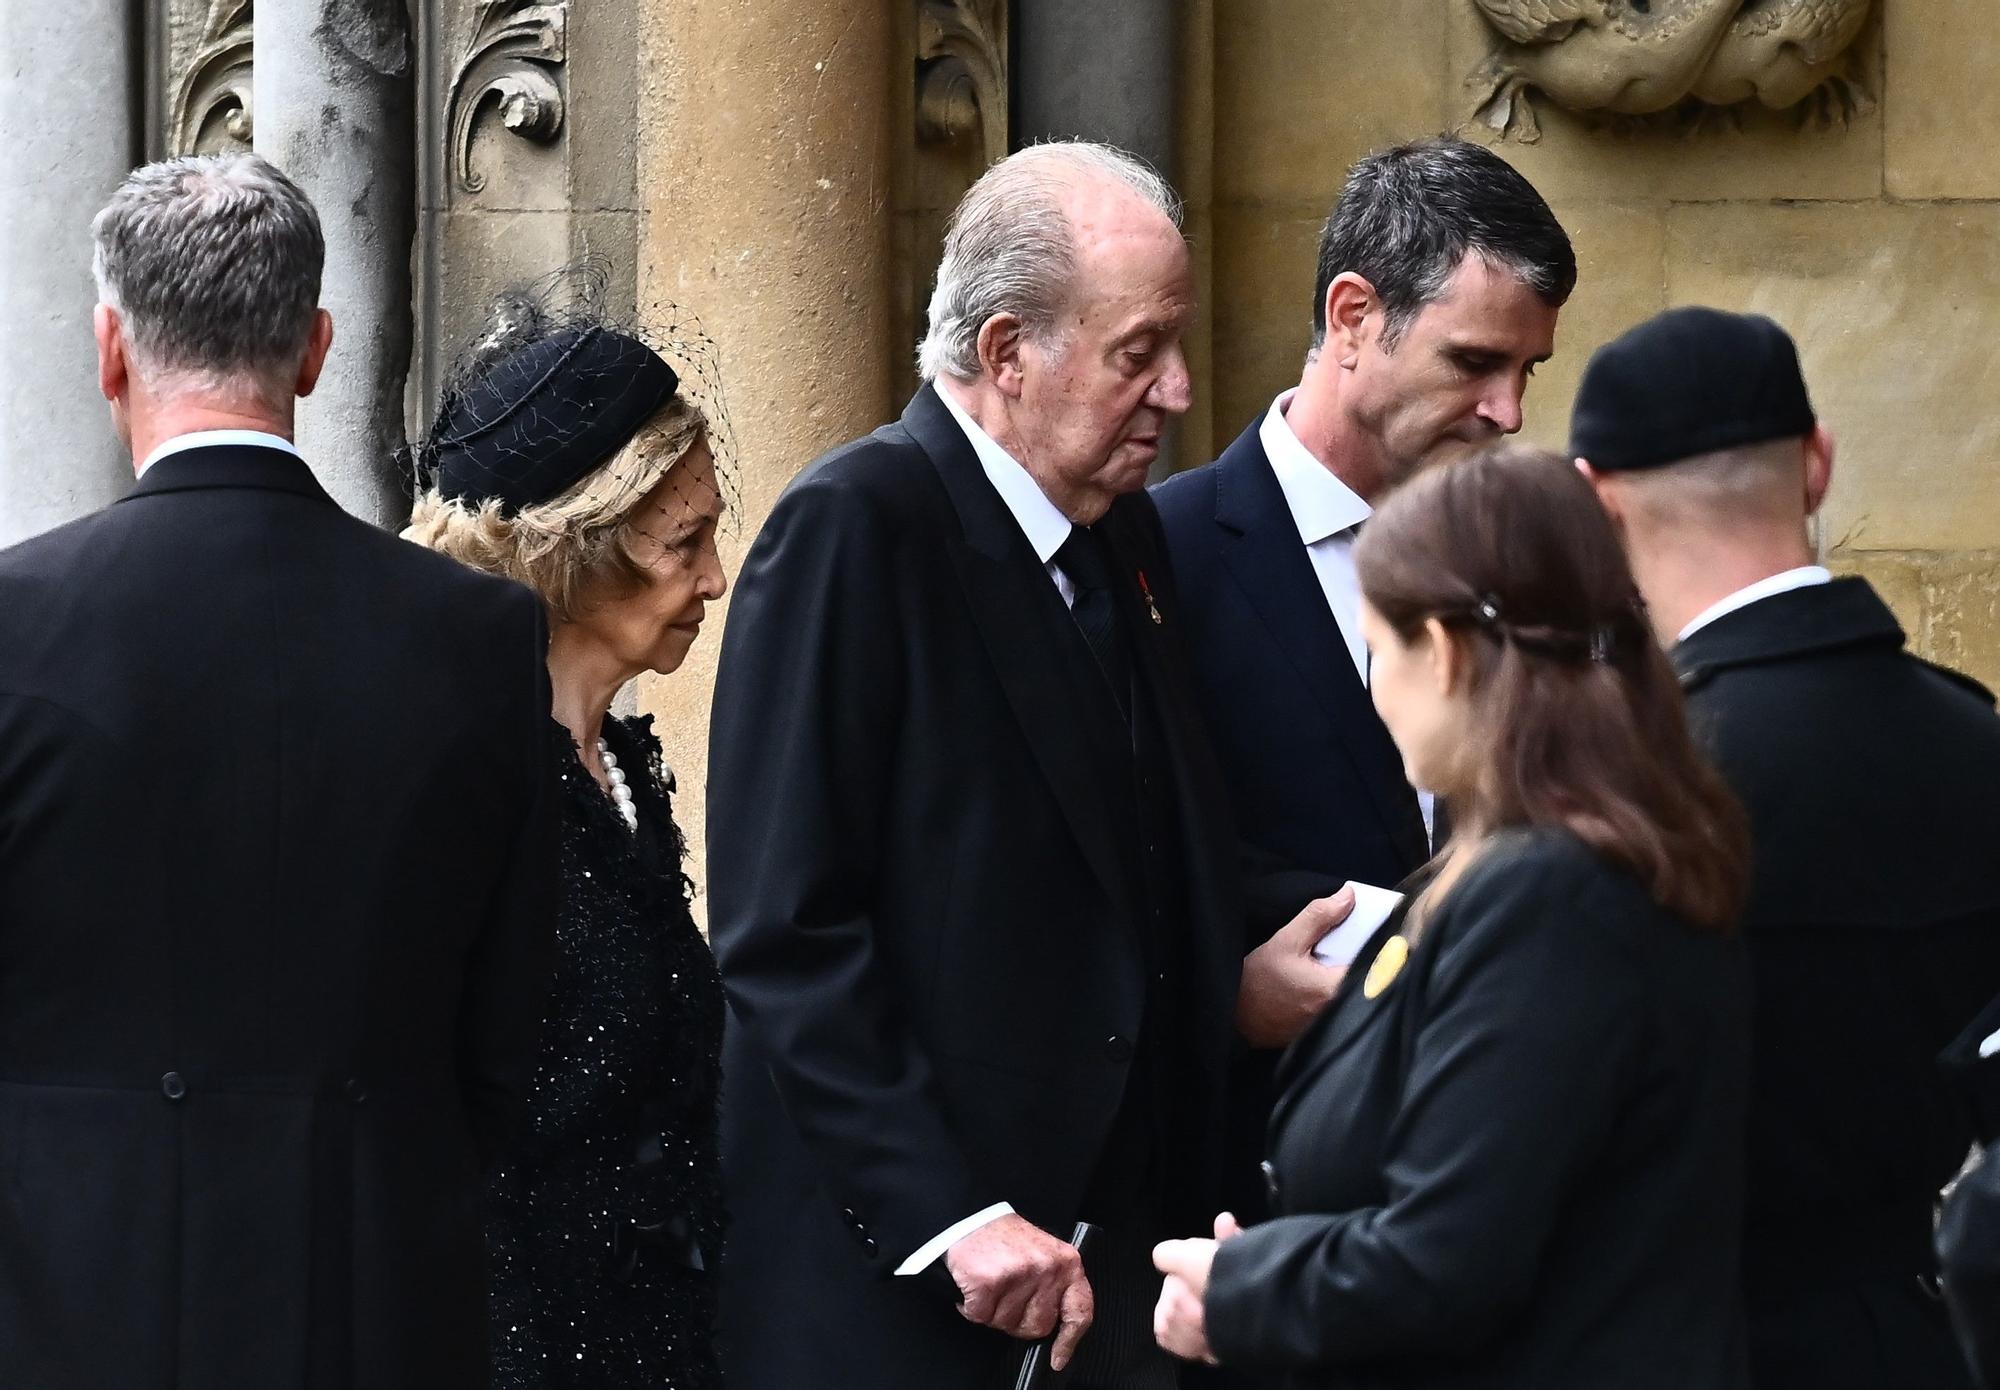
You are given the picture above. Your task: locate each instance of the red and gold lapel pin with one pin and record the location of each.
(1152, 608)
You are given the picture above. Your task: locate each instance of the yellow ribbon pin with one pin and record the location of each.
(1389, 962)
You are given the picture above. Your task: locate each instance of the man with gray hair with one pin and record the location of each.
(276, 864)
(972, 882)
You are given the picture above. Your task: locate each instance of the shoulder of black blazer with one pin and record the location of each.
(1518, 872)
(1845, 615)
(1543, 980)
(1230, 531)
(1193, 503)
(51, 583)
(232, 473)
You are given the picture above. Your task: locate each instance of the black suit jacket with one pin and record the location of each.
(1314, 781)
(1520, 1164)
(1873, 786)
(928, 926)
(1313, 777)
(276, 887)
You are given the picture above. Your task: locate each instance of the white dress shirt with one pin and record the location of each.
(1783, 582)
(1046, 529)
(1039, 519)
(1328, 514)
(209, 439)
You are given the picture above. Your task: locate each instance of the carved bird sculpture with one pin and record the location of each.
(1634, 57)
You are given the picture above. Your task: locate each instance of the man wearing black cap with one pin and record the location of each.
(1872, 780)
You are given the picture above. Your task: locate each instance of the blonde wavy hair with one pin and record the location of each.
(577, 548)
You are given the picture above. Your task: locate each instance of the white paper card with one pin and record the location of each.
(1372, 907)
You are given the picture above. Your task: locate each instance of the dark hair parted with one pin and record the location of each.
(1578, 719)
(1409, 215)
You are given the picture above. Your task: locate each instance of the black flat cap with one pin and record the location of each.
(1685, 383)
(536, 421)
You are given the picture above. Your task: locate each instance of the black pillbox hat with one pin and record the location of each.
(1685, 383)
(529, 427)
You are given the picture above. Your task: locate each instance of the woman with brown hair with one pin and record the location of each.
(1509, 1152)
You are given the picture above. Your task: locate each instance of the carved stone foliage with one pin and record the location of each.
(511, 65)
(962, 74)
(1690, 57)
(210, 110)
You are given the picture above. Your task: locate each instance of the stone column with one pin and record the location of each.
(335, 105)
(764, 164)
(1099, 72)
(68, 86)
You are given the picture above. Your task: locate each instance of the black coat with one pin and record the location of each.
(1520, 1164)
(924, 906)
(276, 892)
(1313, 776)
(1873, 786)
(1314, 780)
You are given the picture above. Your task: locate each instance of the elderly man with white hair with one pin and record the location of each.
(973, 884)
(277, 864)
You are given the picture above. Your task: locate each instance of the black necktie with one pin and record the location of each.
(1082, 558)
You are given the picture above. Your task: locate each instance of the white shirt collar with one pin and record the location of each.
(209, 439)
(1805, 576)
(1045, 527)
(1320, 503)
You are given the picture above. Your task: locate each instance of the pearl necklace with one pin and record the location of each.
(621, 795)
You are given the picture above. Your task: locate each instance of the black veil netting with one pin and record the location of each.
(554, 388)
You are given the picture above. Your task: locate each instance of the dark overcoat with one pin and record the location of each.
(925, 905)
(1314, 781)
(1519, 1164)
(276, 892)
(1872, 780)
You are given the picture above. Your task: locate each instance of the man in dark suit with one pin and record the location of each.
(1441, 272)
(972, 876)
(1872, 780)
(276, 865)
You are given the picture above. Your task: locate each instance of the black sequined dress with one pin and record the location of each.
(604, 1224)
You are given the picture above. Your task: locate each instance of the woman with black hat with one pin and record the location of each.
(567, 456)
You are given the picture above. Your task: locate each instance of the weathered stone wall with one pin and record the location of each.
(1877, 244)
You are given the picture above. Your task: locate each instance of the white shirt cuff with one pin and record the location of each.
(927, 1254)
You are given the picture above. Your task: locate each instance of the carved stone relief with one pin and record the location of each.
(962, 74)
(527, 162)
(956, 121)
(210, 108)
(1641, 57)
(511, 64)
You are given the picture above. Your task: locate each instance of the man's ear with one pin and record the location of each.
(1002, 340)
(113, 368)
(1819, 467)
(319, 342)
(1350, 300)
(1605, 485)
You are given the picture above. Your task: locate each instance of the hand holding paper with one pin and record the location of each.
(1372, 907)
(1283, 986)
